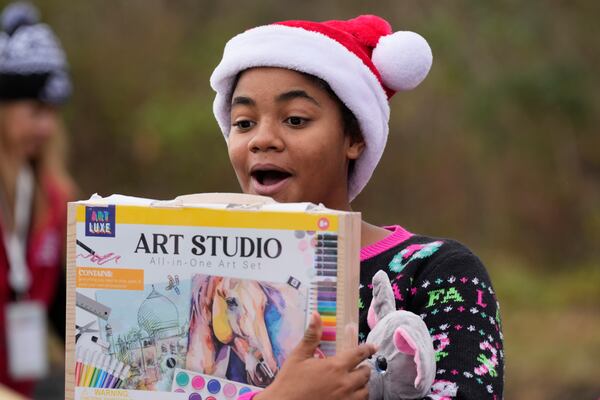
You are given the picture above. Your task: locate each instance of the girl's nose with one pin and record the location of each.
(266, 138)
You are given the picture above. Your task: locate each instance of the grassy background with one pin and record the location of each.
(551, 324)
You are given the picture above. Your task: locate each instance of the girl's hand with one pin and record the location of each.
(303, 376)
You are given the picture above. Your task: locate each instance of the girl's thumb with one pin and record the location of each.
(312, 337)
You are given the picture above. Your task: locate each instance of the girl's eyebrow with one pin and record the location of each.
(242, 101)
(294, 94)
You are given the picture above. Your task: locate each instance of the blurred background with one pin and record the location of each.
(498, 148)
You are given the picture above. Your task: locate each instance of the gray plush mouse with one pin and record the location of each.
(404, 365)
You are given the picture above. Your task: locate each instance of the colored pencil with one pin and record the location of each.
(78, 362)
(113, 380)
(82, 368)
(101, 371)
(124, 375)
(92, 369)
(87, 366)
(109, 373)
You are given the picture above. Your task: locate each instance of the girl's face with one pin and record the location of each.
(287, 139)
(28, 125)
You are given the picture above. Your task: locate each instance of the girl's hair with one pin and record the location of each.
(349, 122)
(50, 163)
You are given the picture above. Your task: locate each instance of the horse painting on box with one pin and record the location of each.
(243, 329)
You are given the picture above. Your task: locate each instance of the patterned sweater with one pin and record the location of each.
(448, 286)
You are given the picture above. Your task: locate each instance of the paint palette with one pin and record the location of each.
(207, 387)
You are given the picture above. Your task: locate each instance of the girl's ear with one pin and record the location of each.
(355, 147)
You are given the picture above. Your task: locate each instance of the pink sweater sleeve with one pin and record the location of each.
(248, 396)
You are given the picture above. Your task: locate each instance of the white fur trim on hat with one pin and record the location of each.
(403, 59)
(315, 54)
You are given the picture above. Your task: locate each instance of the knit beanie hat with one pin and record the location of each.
(32, 62)
(362, 59)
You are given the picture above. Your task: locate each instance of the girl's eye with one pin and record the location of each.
(296, 121)
(244, 124)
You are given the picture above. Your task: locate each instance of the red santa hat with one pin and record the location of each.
(362, 59)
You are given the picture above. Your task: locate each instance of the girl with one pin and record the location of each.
(304, 108)
(34, 188)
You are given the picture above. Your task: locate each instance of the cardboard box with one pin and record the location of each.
(203, 294)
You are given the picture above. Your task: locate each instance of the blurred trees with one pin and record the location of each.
(499, 147)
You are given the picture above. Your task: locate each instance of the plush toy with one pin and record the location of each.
(404, 365)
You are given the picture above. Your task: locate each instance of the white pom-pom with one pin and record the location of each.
(403, 60)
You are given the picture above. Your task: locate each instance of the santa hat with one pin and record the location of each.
(362, 59)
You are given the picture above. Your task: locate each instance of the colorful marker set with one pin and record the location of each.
(206, 387)
(98, 370)
(323, 293)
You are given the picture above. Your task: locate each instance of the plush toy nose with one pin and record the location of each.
(381, 364)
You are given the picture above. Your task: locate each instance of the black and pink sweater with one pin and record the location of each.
(447, 285)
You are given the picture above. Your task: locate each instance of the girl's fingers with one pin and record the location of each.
(360, 377)
(361, 394)
(351, 358)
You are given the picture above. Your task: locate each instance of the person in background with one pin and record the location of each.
(34, 189)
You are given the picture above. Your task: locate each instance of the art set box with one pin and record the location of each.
(203, 296)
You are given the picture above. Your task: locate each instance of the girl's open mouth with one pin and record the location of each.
(269, 181)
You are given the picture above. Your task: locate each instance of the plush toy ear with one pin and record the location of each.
(371, 317)
(220, 322)
(405, 344)
(383, 301)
